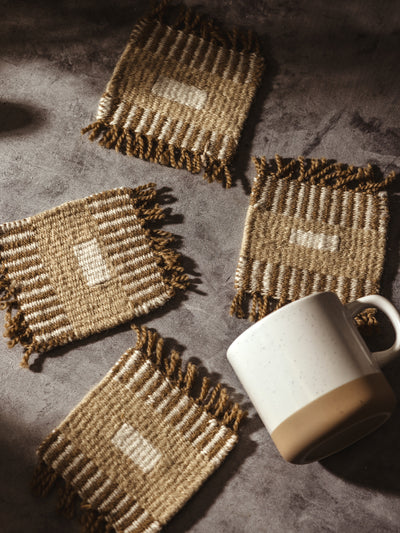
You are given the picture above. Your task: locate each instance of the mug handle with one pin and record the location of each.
(381, 303)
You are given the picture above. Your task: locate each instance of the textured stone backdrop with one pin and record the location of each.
(331, 89)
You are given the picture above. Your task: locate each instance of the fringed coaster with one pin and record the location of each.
(180, 93)
(311, 226)
(84, 267)
(140, 444)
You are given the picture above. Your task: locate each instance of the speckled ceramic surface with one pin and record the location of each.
(299, 353)
(311, 377)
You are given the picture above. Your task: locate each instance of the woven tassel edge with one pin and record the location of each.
(318, 172)
(15, 327)
(151, 149)
(255, 306)
(69, 501)
(214, 400)
(150, 212)
(190, 21)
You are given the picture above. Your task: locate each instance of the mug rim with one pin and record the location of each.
(282, 309)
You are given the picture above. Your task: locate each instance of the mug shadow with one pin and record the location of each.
(374, 461)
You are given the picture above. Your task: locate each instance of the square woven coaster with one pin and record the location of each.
(139, 444)
(311, 226)
(84, 267)
(180, 92)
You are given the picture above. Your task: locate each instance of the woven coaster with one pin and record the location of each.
(180, 93)
(84, 267)
(140, 444)
(311, 226)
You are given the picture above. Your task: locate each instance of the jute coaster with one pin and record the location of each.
(84, 267)
(180, 92)
(311, 226)
(140, 444)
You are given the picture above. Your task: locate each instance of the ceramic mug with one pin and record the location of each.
(312, 378)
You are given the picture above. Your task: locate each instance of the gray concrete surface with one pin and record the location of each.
(331, 89)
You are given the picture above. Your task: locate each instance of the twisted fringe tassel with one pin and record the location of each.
(189, 21)
(214, 400)
(147, 210)
(367, 322)
(321, 172)
(256, 306)
(150, 149)
(15, 327)
(69, 502)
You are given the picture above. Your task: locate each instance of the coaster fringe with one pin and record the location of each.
(189, 21)
(68, 501)
(237, 306)
(214, 400)
(15, 327)
(43, 480)
(319, 172)
(93, 522)
(367, 322)
(255, 306)
(150, 149)
(149, 213)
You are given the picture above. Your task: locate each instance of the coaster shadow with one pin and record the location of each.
(17, 118)
(243, 154)
(392, 262)
(374, 461)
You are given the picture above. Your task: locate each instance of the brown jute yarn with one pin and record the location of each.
(84, 267)
(311, 226)
(180, 92)
(139, 444)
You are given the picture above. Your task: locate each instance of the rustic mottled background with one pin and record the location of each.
(331, 89)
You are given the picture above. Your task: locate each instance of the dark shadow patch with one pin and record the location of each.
(17, 117)
(374, 461)
(241, 159)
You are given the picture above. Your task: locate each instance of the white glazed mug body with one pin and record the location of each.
(304, 362)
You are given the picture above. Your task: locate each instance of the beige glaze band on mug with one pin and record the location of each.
(335, 420)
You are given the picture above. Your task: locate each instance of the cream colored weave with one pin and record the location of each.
(180, 93)
(84, 267)
(140, 444)
(311, 226)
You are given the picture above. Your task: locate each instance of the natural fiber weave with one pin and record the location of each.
(84, 267)
(311, 226)
(140, 444)
(180, 93)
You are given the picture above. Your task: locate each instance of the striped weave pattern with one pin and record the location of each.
(311, 228)
(140, 443)
(84, 267)
(180, 93)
